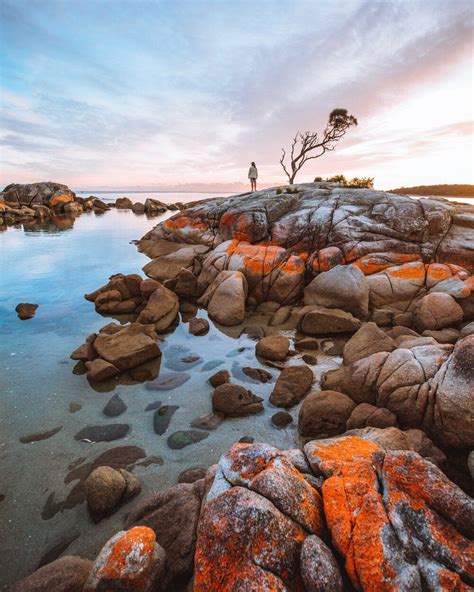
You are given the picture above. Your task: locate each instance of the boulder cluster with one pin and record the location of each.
(370, 254)
(35, 203)
(344, 513)
(120, 348)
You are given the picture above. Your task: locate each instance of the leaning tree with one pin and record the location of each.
(309, 145)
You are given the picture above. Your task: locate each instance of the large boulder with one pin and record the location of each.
(273, 347)
(454, 396)
(344, 287)
(161, 309)
(324, 414)
(66, 574)
(317, 320)
(291, 386)
(437, 311)
(257, 515)
(225, 298)
(368, 340)
(130, 560)
(128, 347)
(382, 508)
(427, 387)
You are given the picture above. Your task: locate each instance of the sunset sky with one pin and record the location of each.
(154, 94)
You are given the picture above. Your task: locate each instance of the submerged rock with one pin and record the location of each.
(185, 438)
(162, 418)
(40, 436)
(103, 433)
(107, 489)
(114, 407)
(234, 401)
(66, 574)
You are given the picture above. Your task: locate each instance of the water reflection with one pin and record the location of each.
(53, 225)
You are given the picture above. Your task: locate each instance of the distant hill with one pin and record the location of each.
(444, 190)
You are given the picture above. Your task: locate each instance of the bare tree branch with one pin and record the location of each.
(306, 143)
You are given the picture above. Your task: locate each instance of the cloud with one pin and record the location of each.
(160, 92)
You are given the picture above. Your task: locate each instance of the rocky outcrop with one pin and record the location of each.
(131, 294)
(46, 194)
(257, 515)
(225, 298)
(394, 517)
(427, 386)
(358, 250)
(363, 511)
(116, 349)
(317, 320)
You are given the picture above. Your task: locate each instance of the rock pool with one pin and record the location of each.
(45, 404)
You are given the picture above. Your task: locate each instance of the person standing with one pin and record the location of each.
(253, 175)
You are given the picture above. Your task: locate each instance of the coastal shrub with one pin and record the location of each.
(318, 179)
(337, 179)
(291, 190)
(365, 182)
(279, 190)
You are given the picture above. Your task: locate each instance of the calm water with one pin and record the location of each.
(54, 267)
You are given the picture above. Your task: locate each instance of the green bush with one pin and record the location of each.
(318, 179)
(291, 190)
(279, 190)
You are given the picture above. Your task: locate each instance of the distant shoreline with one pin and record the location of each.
(454, 190)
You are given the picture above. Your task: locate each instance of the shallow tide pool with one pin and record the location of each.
(54, 267)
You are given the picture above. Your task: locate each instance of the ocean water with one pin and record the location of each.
(54, 265)
(167, 197)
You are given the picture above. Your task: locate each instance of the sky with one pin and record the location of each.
(158, 94)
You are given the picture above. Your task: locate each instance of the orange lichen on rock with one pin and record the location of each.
(264, 259)
(377, 262)
(59, 199)
(251, 530)
(409, 271)
(182, 220)
(346, 448)
(328, 258)
(129, 561)
(436, 272)
(447, 512)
